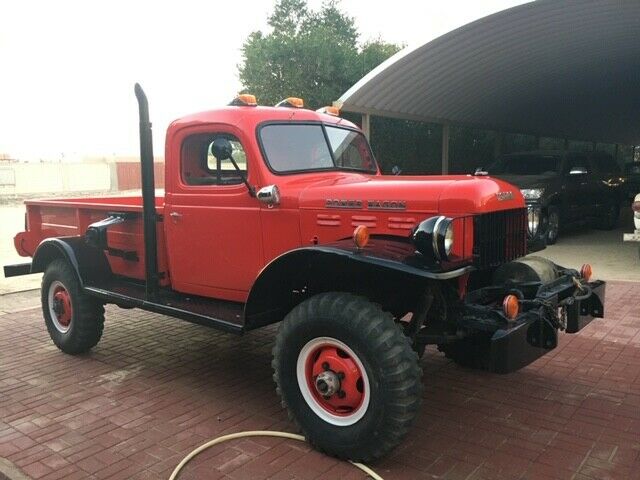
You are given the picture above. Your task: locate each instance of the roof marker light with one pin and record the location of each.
(244, 100)
(335, 111)
(291, 102)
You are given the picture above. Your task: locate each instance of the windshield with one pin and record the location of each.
(526, 165)
(294, 147)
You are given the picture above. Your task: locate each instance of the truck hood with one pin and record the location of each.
(454, 194)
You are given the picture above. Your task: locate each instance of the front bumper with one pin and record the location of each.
(632, 237)
(534, 332)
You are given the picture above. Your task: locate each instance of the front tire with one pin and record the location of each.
(553, 225)
(347, 375)
(74, 320)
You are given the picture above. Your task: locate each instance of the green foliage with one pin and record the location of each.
(309, 54)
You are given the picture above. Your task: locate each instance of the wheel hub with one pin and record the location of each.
(62, 306)
(327, 383)
(335, 380)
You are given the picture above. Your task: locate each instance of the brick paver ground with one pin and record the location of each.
(155, 388)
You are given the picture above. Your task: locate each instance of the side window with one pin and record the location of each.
(200, 165)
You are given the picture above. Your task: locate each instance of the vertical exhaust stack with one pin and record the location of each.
(148, 196)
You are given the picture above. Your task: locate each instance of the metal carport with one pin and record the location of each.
(568, 69)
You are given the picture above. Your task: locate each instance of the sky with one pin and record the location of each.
(67, 68)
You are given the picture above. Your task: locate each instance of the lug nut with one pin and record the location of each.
(341, 394)
(325, 366)
(341, 375)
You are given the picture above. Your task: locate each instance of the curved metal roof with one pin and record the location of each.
(557, 68)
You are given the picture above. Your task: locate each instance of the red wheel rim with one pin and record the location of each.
(62, 307)
(344, 395)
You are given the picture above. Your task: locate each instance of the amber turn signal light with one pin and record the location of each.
(511, 306)
(361, 236)
(292, 102)
(244, 100)
(586, 272)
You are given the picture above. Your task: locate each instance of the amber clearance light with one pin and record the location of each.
(244, 100)
(586, 272)
(334, 111)
(511, 307)
(361, 236)
(291, 102)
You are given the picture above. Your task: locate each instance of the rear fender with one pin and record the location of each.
(296, 275)
(89, 263)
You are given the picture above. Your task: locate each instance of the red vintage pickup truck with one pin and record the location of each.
(281, 214)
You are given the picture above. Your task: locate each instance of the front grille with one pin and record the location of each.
(499, 237)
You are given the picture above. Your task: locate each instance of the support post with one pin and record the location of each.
(497, 145)
(366, 125)
(445, 148)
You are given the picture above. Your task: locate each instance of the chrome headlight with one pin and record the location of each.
(532, 193)
(433, 237)
(533, 221)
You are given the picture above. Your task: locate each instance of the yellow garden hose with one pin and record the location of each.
(257, 433)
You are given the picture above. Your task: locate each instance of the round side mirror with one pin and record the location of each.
(221, 148)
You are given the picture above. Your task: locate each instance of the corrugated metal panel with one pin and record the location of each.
(564, 68)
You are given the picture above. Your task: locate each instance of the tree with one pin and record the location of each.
(310, 54)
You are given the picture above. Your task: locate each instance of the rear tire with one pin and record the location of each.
(342, 334)
(74, 320)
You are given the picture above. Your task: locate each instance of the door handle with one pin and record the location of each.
(175, 216)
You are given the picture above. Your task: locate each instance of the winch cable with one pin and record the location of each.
(257, 433)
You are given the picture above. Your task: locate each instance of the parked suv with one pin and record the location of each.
(562, 188)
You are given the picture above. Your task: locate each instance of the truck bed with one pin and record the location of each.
(71, 216)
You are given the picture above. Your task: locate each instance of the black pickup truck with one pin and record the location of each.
(563, 187)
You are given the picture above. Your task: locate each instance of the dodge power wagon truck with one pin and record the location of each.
(280, 214)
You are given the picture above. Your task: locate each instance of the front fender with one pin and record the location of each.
(89, 263)
(385, 271)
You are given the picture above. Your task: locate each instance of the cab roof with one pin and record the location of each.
(251, 117)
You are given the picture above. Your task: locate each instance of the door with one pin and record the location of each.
(212, 223)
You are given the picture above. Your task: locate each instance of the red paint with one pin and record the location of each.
(329, 357)
(221, 237)
(62, 306)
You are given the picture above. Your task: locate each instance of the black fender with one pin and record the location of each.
(388, 274)
(89, 263)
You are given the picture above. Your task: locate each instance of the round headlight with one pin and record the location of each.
(433, 237)
(448, 239)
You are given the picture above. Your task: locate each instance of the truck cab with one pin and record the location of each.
(281, 215)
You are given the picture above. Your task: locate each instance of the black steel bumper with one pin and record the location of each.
(17, 269)
(534, 332)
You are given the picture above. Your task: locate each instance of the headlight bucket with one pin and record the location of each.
(434, 237)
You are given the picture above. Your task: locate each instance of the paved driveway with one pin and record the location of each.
(155, 388)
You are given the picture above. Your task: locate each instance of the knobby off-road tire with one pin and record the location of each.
(74, 320)
(469, 352)
(343, 334)
(553, 225)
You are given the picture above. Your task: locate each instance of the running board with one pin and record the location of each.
(219, 314)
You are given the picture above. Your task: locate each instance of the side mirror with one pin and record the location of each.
(221, 148)
(270, 195)
(578, 171)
